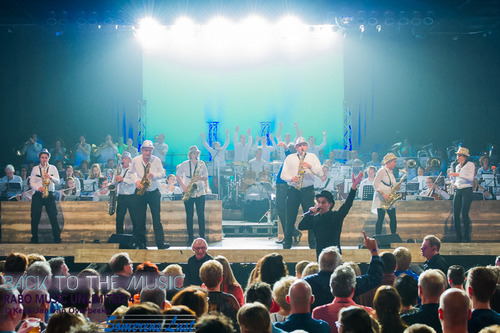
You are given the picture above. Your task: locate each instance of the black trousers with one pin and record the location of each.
(37, 203)
(151, 198)
(281, 194)
(124, 202)
(296, 198)
(461, 206)
(200, 212)
(393, 223)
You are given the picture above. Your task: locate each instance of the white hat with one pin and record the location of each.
(389, 157)
(463, 151)
(300, 140)
(193, 149)
(44, 151)
(147, 144)
(126, 154)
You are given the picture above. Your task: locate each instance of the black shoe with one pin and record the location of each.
(280, 241)
(163, 246)
(139, 246)
(34, 240)
(286, 246)
(297, 237)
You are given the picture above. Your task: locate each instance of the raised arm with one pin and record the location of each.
(226, 143)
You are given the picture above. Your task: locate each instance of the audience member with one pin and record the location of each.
(456, 277)
(330, 258)
(157, 296)
(173, 273)
(229, 284)
(114, 299)
(387, 305)
(200, 256)
(299, 268)
(144, 313)
(214, 323)
(407, 288)
(403, 262)
(491, 329)
(419, 328)
(454, 311)
(431, 285)
(355, 319)
(342, 286)
(34, 257)
(388, 279)
(310, 269)
(481, 285)
(259, 292)
(179, 318)
(10, 312)
(122, 266)
(430, 250)
(63, 321)
(253, 318)
(218, 301)
(280, 291)
(194, 298)
(300, 298)
(272, 268)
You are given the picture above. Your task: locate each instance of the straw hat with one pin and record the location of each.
(389, 157)
(463, 151)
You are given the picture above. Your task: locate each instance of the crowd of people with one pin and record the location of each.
(393, 295)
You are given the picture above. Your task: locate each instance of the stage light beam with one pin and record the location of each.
(150, 32)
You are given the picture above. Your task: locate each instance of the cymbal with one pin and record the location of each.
(227, 172)
(241, 163)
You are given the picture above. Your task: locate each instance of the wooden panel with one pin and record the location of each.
(417, 219)
(88, 221)
(63, 249)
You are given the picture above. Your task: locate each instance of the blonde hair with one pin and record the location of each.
(403, 258)
(211, 273)
(280, 290)
(173, 270)
(310, 269)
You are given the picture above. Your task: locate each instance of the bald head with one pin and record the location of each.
(199, 248)
(454, 307)
(300, 297)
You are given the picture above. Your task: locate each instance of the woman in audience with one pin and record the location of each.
(229, 284)
(354, 319)
(273, 268)
(194, 298)
(175, 276)
(407, 288)
(387, 304)
(280, 291)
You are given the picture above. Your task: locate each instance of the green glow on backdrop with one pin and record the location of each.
(183, 95)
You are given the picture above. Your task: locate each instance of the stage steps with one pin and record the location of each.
(249, 229)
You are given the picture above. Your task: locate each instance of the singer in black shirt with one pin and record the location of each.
(325, 223)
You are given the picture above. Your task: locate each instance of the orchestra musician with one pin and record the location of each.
(371, 170)
(434, 191)
(70, 188)
(258, 164)
(170, 188)
(243, 145)
(265, 149)
(217, 152)
(160, 148)
(106, 150)
(383, 184)
(95, 171)
(464, 181)
(191, 176)
(313, 148)
(58, 152)
(281, 155)
(103, 190)
(82, 151)
(131, 149)
(10, 178)
(151, 196)
(32, 148)
(125, 182)
(300, 176)
(42, 180)
(484, 161)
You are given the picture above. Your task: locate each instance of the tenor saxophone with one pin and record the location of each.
(193, 185)
(301, 172)
(145, 182)
(394, 195)
(46, 183)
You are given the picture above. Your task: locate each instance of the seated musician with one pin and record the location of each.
(218, 153)
(84, 169)
(476, 186)
(420, 178)
(131, 149)
(70, 173)
(354, 156)
(71, 187)
(371, 170)
(8, 191)
(374, 161)
(313, 148)
(331, 157)
(258, 164)
(58, 152)
(266, 150)
(484, 162)
(324, 183)
(433, 190)
(95, 171)
(103, 189)
(170, 187)
(82, 152)
(24, 176)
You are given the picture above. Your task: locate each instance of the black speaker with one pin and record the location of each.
(384, 241)
(124, 240)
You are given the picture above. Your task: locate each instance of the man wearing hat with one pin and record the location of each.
(47, 173)
(300, 191)
(383, 184)
(151, 197)
(464, 179)
(193, 171)
(325, 223)
(125, 182)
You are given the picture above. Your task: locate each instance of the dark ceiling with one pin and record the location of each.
(454, 17)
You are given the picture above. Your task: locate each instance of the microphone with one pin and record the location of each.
(308, 213)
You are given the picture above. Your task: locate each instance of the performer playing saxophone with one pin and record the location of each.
(299, 171)
(191, 175)
(383, 185)
(43, 178)
(125, 188)
(151, 197)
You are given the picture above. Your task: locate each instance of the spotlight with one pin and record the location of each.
(64, 18)
(82, 18)
(403, 18)
(362, 28)
(389, 18)
(92, 19)
(416, 19)
(255, 33)
(372, 20)
(291, 27)
(149, 32)
(361, 18)
(428, 18)
(379, 28)
(52, 19)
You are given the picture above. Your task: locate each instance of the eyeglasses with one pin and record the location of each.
(200, 248)
(338, 324)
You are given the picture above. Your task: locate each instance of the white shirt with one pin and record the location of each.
(160, 151)
(241, 151)
(291, 169)
(440, 192)
(106, 153)
(466, 175)
(36, 177)
(313, 149)
(384, 182)
(187, 169)
(5, 187)
(137, 168)
(257, 166)
(127, 186)
(218, 154)
(266, 150)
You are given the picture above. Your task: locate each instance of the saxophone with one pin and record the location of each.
(301, 172)
(45, 182)
(112, 191)
(193, 185)
(394, 196)
(145, 182)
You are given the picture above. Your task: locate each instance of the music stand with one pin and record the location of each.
(268, 189)
(368, 192)
(412, 187)
(488, 180)
(89, 186)
(71, 198)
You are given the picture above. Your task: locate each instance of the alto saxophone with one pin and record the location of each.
(301, 172)
(193, 185)
(145, 182)
(112, 191)
(45, 182)
(394, 196)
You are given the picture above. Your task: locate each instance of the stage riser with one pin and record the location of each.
(89, 221)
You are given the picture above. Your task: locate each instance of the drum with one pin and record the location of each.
(264, 177)
(256, 193)
(247, 180)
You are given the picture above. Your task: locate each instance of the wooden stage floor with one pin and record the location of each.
(235, 249)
